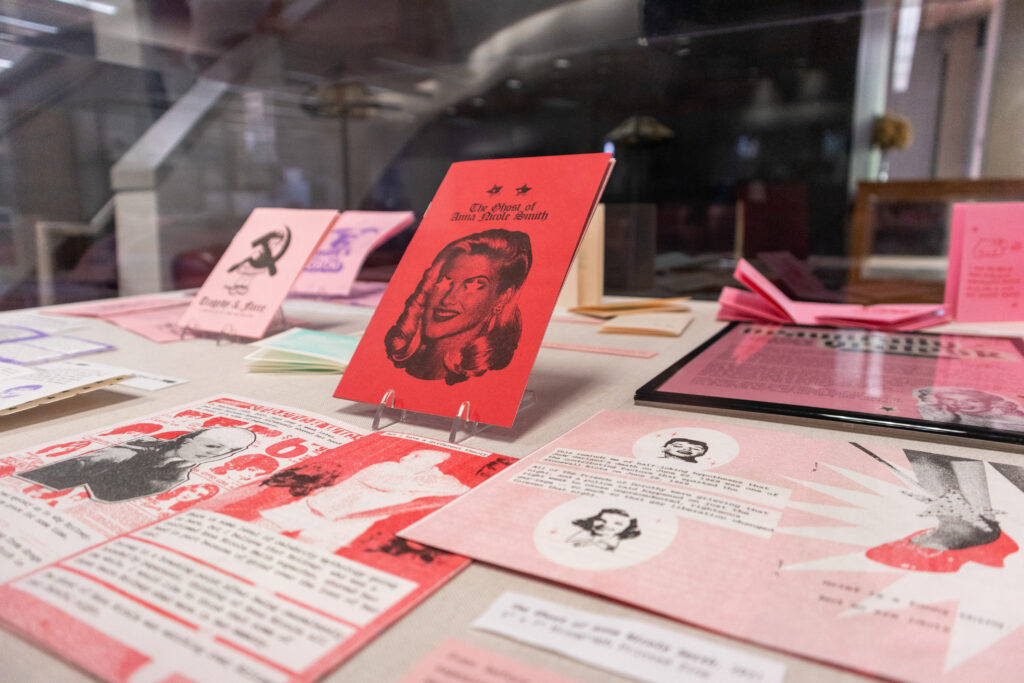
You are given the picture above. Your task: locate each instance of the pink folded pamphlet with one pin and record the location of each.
(767, 303)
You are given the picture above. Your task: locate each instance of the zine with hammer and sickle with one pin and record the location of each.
(265, 257)
(262, 259)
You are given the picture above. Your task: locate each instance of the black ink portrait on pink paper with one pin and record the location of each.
(141, 467)
(605, 530)
(464, 319)
(684, 450)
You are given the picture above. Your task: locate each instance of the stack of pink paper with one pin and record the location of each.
(766, 303)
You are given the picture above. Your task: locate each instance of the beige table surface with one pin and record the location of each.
(569, 387)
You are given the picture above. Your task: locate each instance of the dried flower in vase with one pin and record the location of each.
(892, 131)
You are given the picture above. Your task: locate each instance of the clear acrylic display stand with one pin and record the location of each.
(462, 420)
(227, 335)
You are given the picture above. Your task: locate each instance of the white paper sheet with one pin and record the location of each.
(625, 646)
(147, 381)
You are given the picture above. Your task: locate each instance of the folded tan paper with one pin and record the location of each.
(611, 310)
(661, 324)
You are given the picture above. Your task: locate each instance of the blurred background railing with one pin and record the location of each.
(136, 136)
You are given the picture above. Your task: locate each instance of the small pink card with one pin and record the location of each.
(985, 282)
(336, 263)
(245, 290)
(455, 661)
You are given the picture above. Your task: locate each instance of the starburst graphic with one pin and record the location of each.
(876, 512)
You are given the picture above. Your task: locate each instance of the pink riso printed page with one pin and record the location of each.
(955, 379)
(245, 290)
(887, 560)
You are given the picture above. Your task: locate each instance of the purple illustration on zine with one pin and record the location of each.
(330, 258)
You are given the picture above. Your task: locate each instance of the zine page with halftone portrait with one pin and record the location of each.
(60, 497)
(277, 580)
(899, 561)
(464, 314)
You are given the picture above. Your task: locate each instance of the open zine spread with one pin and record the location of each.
(24, 387)
(227, 540)
(896, 560)
(463, 316)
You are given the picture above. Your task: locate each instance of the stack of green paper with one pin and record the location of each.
(302, 350)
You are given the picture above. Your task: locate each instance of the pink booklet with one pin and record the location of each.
(767, 303)
(336, 263)
(985, 282)
(245, 290)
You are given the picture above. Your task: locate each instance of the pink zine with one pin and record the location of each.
(767, 303)
(334, 266)
(245, 290)
(985, 282)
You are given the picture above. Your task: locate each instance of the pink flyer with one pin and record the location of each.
(105, 308)
(894, 561)
(336, 263)
(156, 324)
(940, 383)
(247, 286)
(985, 282)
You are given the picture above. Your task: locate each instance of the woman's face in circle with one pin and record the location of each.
(964, 403)
(610, 524)
(463, 297)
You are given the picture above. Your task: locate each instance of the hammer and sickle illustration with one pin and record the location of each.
(266, 258)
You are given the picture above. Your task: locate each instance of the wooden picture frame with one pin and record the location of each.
(926, 283)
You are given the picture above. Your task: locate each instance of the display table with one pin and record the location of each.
(569, 387)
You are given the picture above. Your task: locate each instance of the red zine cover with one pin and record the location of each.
(465, 312)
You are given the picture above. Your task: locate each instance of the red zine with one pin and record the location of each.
(464, 314)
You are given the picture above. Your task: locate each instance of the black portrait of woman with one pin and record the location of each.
(463, 319)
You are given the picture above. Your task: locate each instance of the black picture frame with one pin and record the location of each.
(651, 393)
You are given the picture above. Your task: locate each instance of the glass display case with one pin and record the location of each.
(136, 136)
